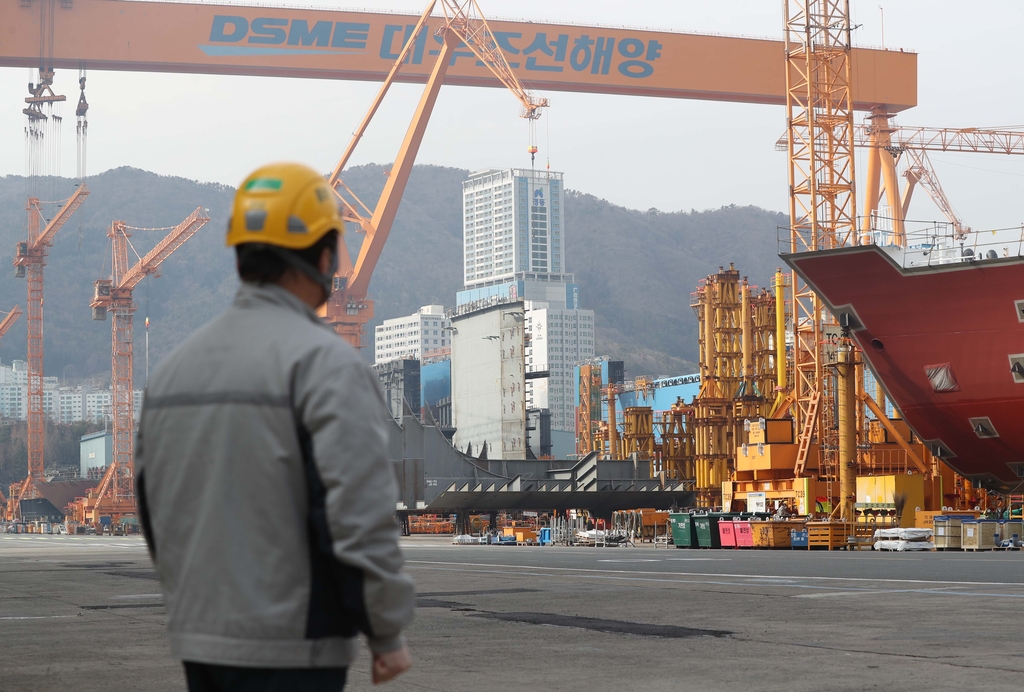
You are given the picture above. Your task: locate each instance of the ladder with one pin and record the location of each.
(807, 433)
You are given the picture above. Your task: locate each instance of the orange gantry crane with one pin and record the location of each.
(349, 308)
(116, 494)
(30, 258)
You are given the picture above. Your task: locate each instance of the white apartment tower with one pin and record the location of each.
(514, 249)
(511, 223)
(411, 337)
(559, 339)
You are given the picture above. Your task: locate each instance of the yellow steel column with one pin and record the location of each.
(846, 395)
(613, 430)
(747, 336)
(709, 335)
(781, 376)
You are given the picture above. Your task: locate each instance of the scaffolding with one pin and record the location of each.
(737, 368)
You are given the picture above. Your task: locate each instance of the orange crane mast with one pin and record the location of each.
(116, 492)
(5, 325)
(349, 308)
(30, 258)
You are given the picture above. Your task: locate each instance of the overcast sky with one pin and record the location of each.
(639, 152)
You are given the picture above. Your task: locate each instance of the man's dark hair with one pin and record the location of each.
(263, 266)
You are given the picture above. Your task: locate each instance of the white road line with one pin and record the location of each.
(141, 595)
(589, 574)
(830, 594)
(36, 617)
(733, 576)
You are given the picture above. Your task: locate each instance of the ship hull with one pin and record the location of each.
(942, 341)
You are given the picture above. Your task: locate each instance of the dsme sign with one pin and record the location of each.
(536, 48)
(228, 31)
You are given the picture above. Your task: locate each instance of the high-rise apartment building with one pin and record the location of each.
(60, 404)
(512, 222)
(514, 250)
(409, 338)
(558, 339)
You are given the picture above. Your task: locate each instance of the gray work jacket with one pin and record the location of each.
(266, 495)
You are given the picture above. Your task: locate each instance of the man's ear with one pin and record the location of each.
(326, 260)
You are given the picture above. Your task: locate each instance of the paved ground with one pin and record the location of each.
(85, 613)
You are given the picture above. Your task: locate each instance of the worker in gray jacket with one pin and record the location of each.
(263, 484)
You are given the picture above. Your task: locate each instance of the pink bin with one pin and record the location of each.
(727, 531)
(744, 536)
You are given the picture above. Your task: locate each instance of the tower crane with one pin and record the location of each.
(822, 211)
(116, 493)
(349, 308)
(5, 325)
(880, 136)
(29, 260)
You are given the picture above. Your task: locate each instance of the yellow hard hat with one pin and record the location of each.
(287, 205)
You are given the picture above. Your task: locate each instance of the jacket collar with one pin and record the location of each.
(257, 295)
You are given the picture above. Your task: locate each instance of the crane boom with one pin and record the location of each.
(69, 208)
(468, 22)
(148, 264)
(968, 139)
(10, 319)
(919, 170)
(349, 309)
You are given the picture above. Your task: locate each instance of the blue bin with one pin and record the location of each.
(798, 539)
(545, 536)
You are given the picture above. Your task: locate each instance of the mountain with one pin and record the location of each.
(636, 269)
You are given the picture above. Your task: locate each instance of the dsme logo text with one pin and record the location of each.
(294, 32)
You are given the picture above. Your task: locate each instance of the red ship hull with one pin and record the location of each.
(943, 342)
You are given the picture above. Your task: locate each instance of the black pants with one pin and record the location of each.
(204, 677)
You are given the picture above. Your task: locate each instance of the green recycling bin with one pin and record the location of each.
(706, 528)
(683, 532)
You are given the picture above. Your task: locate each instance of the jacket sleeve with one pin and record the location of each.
(347, 422)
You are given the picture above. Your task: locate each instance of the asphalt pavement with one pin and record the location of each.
(85, 612)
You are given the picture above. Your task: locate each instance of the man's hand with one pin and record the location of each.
(390, 665)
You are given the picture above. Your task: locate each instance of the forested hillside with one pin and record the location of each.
(636, 269)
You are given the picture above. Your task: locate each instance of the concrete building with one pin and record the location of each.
(488, 380)
(411, 337)
(96, 452)
(70, 405)
(512, 223)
